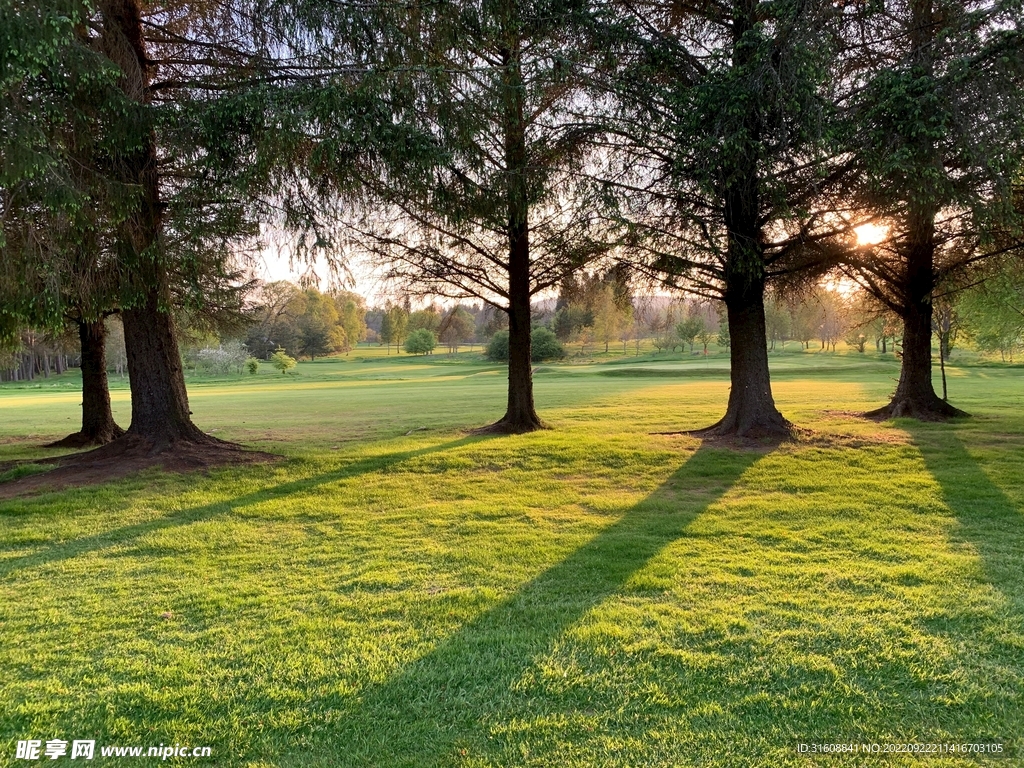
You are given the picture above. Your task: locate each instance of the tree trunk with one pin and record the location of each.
(520, 415)
(915, 396)
(160, 411)
(751, 411)
(98, 425)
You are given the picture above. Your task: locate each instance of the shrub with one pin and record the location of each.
(497, 347)
(544, 345)
(224, 358)
(282, 361)
(252, 365)
(421, 342)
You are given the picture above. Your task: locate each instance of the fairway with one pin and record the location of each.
(398, 592)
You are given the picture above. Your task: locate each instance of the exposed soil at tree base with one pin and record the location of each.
(126, 456)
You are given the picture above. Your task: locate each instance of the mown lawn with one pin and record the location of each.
(397, 593)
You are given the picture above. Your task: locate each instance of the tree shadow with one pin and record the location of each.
(125, 534)
(988, 519)
(991, 523)
(437, 708)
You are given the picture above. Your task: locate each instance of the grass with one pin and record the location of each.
(397, 593)
(23, 470)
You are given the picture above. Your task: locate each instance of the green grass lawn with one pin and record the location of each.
(397, 593)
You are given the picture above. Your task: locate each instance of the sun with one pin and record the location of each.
(871, 234)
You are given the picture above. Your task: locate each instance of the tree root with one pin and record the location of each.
(82, 440)
(506, 426)
(922, 409)
(766, 428)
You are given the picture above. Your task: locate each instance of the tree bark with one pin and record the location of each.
(520, 415)
(915, 395)
(98, 425)
(160, 411)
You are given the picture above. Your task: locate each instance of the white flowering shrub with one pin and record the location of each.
(229, 357)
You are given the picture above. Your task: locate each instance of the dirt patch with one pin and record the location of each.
(812, 438)
(844, 414)
(800, 437)
(125, 457)
(734, 442)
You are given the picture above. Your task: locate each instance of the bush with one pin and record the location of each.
(252, 365)
(421, 342)
(282, 361)
(497, 347)
(544, 345)
(223, 358)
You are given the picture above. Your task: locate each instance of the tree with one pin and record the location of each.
(351, 317)
(386, 333)
(497, 347)
(725, 159)
(705, 336)
(938, 131)
(429, 318)
(724, 340)
(946, 322)
(805, 319)
(276, 309)
(690, 328)
(777, 321)
(491, 206)
(421, 342)
(570, 318)
(56, 206)
(609, 319)
(832, 316)
(456, 326)
(545, 346)
(170, 239)
(319, 330)
(282, 361)
(993, 312)
(398, 324)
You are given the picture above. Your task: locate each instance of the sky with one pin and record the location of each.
(273, 264)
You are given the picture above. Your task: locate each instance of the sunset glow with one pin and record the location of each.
(870, 234)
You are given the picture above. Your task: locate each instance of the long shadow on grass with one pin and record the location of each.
(439, 705)
(994, 525)
(989, 520)
(124, 534)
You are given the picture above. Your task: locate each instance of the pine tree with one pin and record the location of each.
(939, 130)
(470, 189)
(725, 115)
